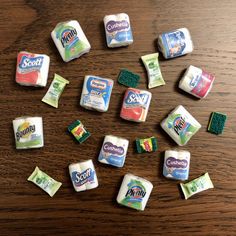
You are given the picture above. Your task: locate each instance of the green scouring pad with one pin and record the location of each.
(128, 78)
(146, 145)
(217, 123)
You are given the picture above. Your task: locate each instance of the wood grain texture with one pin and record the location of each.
(26, 210)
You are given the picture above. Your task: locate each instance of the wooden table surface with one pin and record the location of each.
(27, 210)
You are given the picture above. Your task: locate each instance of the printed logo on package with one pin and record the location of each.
(82, 178)
(29, 63)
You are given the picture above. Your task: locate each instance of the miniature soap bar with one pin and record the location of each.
(79, 131)
(70, 40)
(96, 93)
(45, 182)
(28, 132)
(175, 43)
(197, 185)
(32, 69)
(55, 90)
(128, 78)
(118, 30)
(83, 175)
(146, 145)
(152, 66)
(135, 105)
(217, 123)
(134, 192)
(180, 125)
(113, 151)
(196, 82)
(176, 164)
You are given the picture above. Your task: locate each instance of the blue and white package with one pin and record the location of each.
(113, 151)
(175, 43)
(96, 93)
(176, 164)
(118, 30)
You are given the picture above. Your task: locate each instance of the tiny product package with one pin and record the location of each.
(134, 192)
(180, 125)
(45, 182)
(83, 175)
(196, 82)
(70, 40)
(152, 66)
(28, 132)
(176, 164)
(113, 151)
(78, 130)
(118, 30)
(135, 105)
(175, 43)
(32, 69)
(146, 145)
(55, 90)
(96, 93)
(197, 185)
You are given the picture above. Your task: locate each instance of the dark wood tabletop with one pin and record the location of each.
(26, 210)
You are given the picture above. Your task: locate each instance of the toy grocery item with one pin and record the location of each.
(113, 151)
(146, 145)
(32, 69)
(175, 43)
(180, 125)
(135, 105)
(96, 93)
(70, 40)
(118, 30)
(28, 132)
(78, 130)
(134, 192)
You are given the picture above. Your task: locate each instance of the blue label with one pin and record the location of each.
(30, 63)
(178, 174)
(174, 43)
(134, 99)
(82, 178)
(114, 160)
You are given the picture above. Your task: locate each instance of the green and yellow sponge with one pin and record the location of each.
(146, 145)
(217, 123)
(128, 78)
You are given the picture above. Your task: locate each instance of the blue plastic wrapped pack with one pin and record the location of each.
(96, 93)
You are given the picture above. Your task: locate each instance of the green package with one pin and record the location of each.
(153, 68)
(55, 90)
(197, 185)
(146, 145)
(45, 182)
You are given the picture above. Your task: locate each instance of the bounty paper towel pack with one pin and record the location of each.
(83, 175)
(118, 30)
(28, 132)
(113, 151)
(96, 93)
(70, 40)
(134, 192)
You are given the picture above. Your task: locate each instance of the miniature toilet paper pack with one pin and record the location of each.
(32, 69)
(175, 43)
(118, 30)
(28, 132)
(96, 93)
(113, 151)
(83, 175)
(134, 192)
(176, 164)
(180, 125)
(196, 82)
(70, 40)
